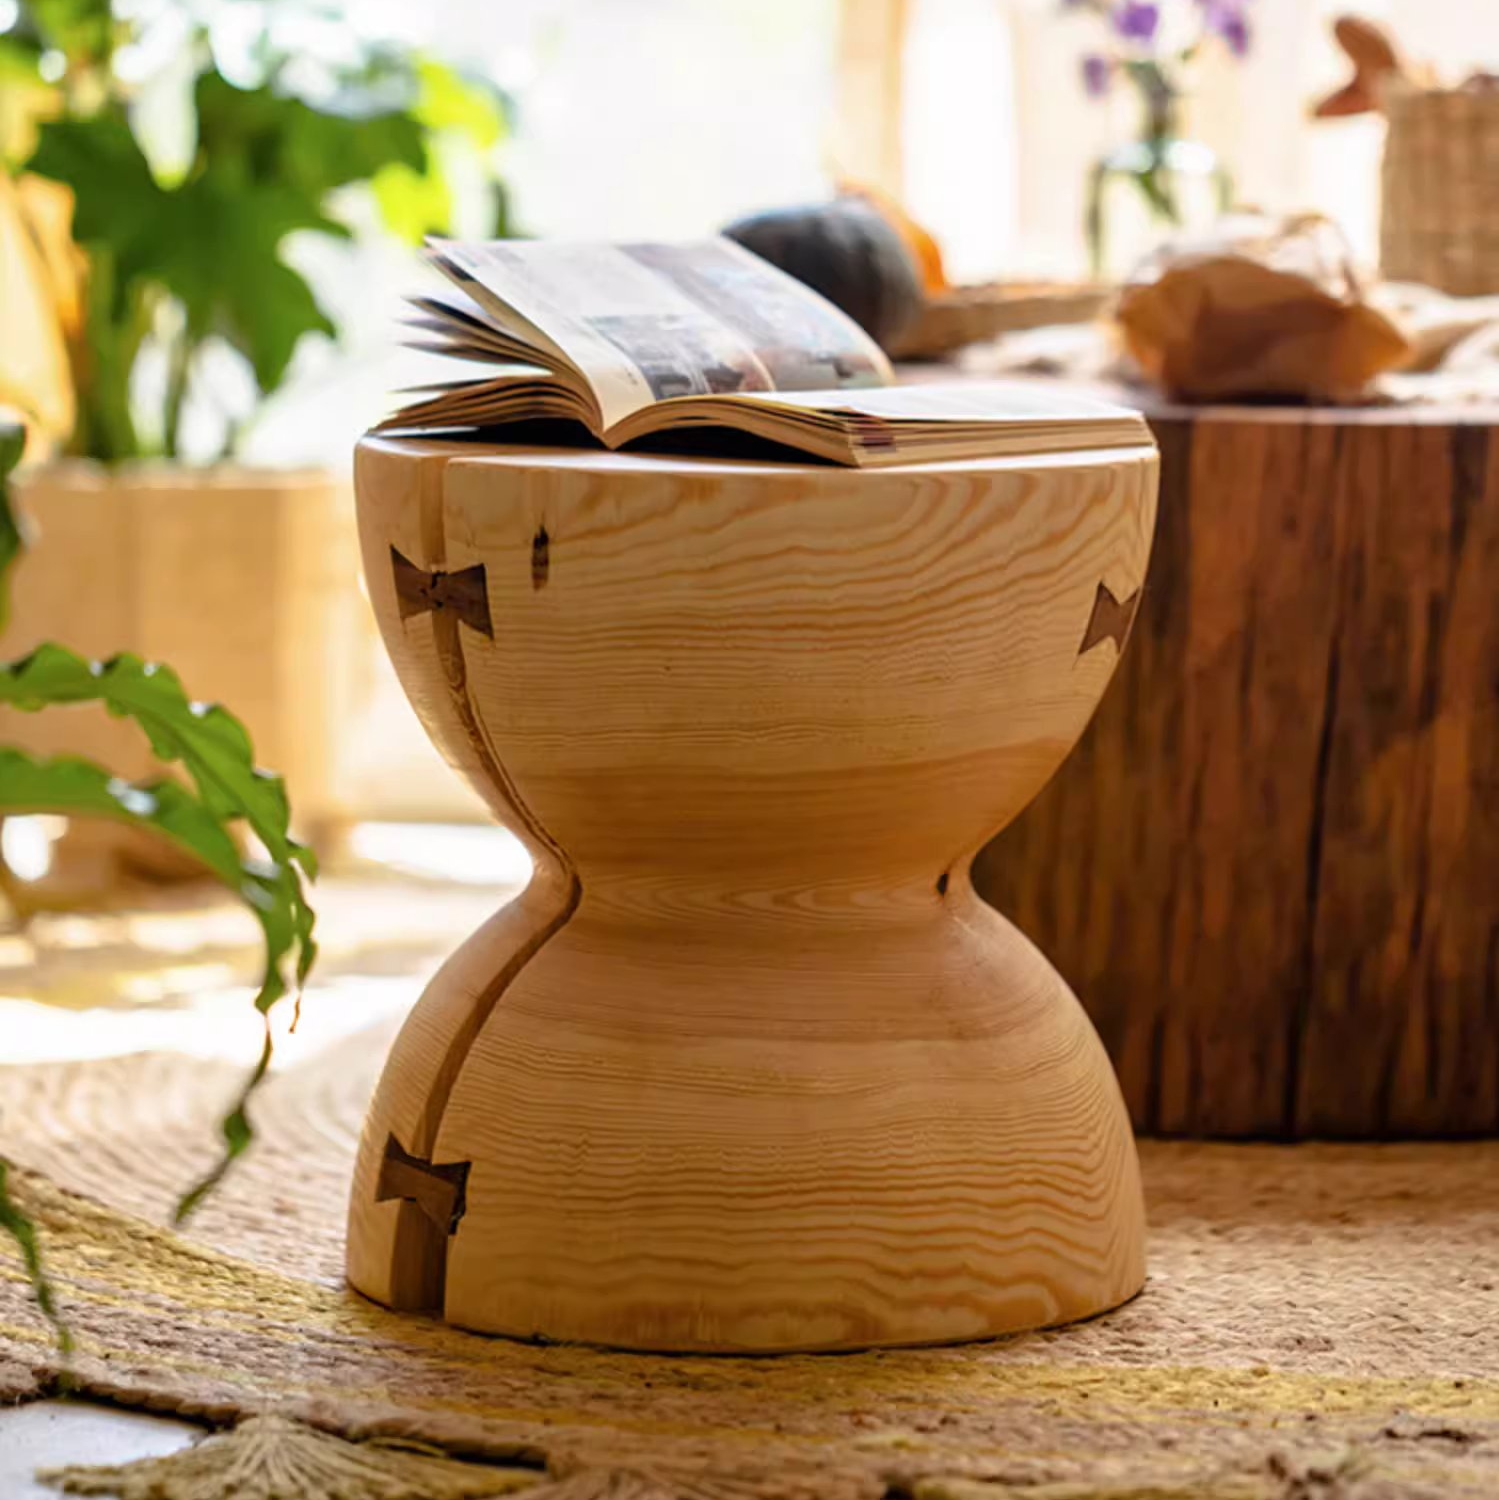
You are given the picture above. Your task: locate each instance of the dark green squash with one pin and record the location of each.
(848, 251)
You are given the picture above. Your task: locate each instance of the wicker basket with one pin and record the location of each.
(1440, 220)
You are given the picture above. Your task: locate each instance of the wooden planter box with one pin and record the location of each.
(245, 581)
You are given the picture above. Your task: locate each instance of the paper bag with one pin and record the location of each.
(1263, 308)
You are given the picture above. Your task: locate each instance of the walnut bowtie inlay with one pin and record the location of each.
(463, 593)
(1110, 620)
(438, 1190)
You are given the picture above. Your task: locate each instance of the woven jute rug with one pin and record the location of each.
(1320, 1323)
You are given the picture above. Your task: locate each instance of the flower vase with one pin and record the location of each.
(1158, 184)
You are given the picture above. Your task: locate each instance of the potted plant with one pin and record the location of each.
(149, 260)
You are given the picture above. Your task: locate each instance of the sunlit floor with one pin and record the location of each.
(173, 970)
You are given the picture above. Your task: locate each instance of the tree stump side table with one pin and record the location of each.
(749, 1066)
(1272, 866)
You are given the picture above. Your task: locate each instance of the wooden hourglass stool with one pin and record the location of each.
(749, 1066)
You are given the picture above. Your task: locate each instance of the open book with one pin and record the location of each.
(644, 340)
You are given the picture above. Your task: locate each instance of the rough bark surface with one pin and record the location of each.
(1271, 868)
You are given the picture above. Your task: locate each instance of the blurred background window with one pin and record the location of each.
(633, 118)
(667, 118)
(997, 133)
(661, 118)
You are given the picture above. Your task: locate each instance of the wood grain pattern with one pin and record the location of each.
(749, 1066)
(1269, 869)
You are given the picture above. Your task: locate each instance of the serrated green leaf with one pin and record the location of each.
(74, 787)
(214, 750)
(206, 739)
(210, 240)
(273, 894)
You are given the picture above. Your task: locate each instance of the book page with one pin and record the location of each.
(991, 402)
(906, 423)
(645, 322)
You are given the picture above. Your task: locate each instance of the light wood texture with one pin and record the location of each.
(749, 1066)
(1269, 868)
(244, 581)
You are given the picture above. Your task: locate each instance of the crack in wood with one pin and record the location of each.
(1110, 619)
(422, 1235)
(541, 558)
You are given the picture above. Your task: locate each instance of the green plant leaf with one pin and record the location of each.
(412, 204)
(211, 746)
(118, 200)
(273, 137)
(198, 824)
(73, 787)
(213, 241)
(23, 1232)
(82, 29)
(225, 789)
(243, 290)
(452, 109)
(210, 239)
(454, 100)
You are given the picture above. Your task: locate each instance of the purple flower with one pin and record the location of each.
(1097, 72)
(1137, 20)
(1227, 18)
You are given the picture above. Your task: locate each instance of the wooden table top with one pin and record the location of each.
(1157, 406)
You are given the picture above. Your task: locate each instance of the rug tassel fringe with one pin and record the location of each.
(274, 1458)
